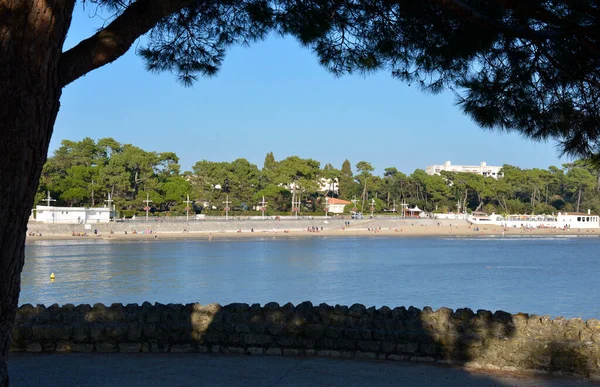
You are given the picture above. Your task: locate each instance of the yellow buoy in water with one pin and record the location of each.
(52, 276)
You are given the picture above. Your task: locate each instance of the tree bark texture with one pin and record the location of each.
(32, 33)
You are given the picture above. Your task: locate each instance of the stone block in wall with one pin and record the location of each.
(352, 333)
(130, 347)
(333, 332)
(344, 343)
(464, 314)
(287, 341)
(200, 321)
(134, 331)
(25, 313)
(573, 329)
(270, 307)
(365, 333)
(275, 329)
(422, 359)
(237, 308)
(368, 346)
(291, 352)
(304, 342)
(399, 313)
(428, 348)
(413, 313)
(97, 332)
(16, 347)
(257, 339)
(106, 347)
(241, 328)
(294, 327)
(82, 347)
(151, 315)
(325, 343)
(42, 332)
(409, 348)
(258, 328)
(183, 348)
(33, 347)
(63, 346)
(255, 351)
(384, 312)
(305, 308)
(328, 353)
(398, 357)
(273, 351)
(236, 350)
(365, 355)
(593, 324)
(379, 334)
(356, 310)
(388, 347)
(340, 310)
(274, 316)
(314, 331)
(149, 331)
(235, 338)
(81, 332)
(158, 347)
(309, 352)
(255, 309)
(116, 332)
(370, 312)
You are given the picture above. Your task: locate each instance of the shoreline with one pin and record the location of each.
(405, 231)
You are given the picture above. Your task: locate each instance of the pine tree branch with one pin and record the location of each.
(115, 39)
(462, 9)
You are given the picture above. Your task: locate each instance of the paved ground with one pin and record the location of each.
(222, 370)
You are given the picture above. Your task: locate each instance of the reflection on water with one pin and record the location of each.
(556, 276)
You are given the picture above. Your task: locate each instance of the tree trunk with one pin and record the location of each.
(578, 200)
(32, 34)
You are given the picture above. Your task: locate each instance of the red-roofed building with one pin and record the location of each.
(336, 205)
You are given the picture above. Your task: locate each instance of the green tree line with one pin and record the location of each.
(86, 172)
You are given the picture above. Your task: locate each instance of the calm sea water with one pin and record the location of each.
(555, 276)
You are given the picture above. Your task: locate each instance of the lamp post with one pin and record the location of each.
(263, 207)
(227, 207)
(372, 206)
(187, 208)
(147, 208)
(354, 208)
(109, 201)
(48, 200)
(326, 206)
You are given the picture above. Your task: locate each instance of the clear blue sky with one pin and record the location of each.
(275, 97)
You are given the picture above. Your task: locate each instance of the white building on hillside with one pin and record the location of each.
(482, 169)
(325, 186)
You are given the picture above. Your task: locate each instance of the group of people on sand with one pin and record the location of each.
(78, 234)
(33, 233)
(313, 229)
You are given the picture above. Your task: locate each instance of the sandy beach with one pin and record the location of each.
(404, 231)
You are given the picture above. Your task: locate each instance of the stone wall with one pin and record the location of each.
(486, 340)
(168, 226)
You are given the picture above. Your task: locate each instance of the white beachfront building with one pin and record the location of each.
(336, 206)
(482, 169)
(571, 220)
(72, 215)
